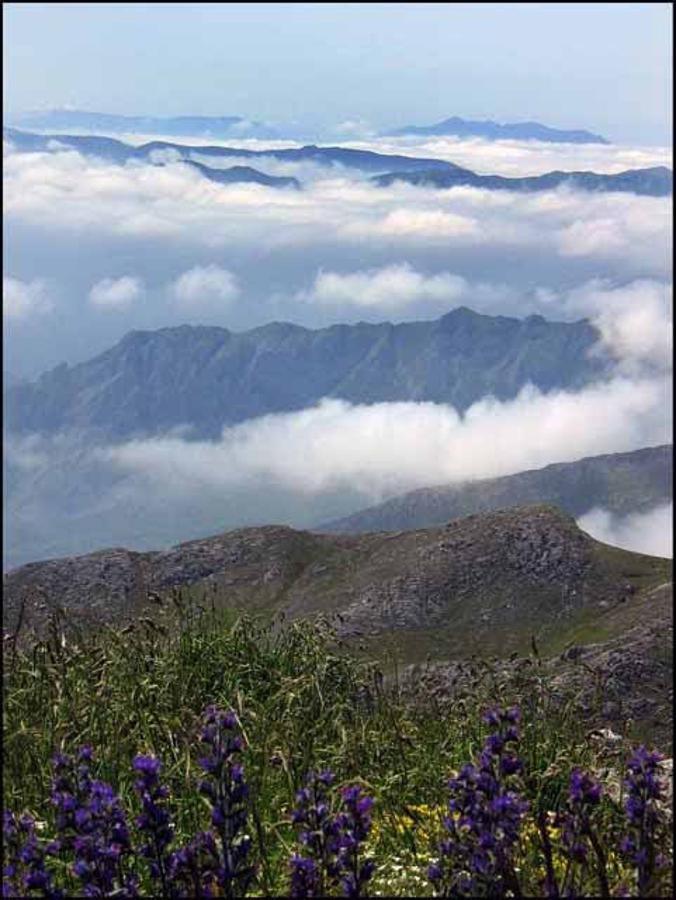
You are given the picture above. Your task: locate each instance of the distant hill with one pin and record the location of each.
(619, 482)
(484, 583)
(494, 131)
(653, 182)
(209, 377)
(181, 126)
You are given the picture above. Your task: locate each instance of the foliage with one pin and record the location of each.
(260, 758)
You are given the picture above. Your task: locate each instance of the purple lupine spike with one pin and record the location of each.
(485, 817)
(305, 879)
(155, 821)
(227, 791)
(355, 824)
(315, 868)
(644, 819)
(25, 866)
(192, 871)
(92, 824)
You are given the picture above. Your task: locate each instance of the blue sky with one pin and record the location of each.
(601, 66)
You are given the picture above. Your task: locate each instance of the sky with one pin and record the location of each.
(605, 67)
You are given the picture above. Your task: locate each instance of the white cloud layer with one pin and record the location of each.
(116, 293)
(635, 320)
(205, 285)
(514, 158)
(64, 191)
(22, 299)
(386, 448)
(650, 532)
(390, 288)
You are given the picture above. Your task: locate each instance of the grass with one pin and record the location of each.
(302, 698)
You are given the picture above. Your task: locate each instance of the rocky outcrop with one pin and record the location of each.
(486, 580)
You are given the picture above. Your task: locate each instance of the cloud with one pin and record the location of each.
(650, 532)
(519, 158)
(385, 448)
(205, 285)
(22, 299)
(391, 287)
(174, 203)
(416, 224)
(635, 320)
(116, 293)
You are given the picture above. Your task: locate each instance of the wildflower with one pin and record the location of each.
(579, 842)
(155, 821)
(193, 870)
(25, 868)
(92, 824)
(318, 835)
(226, 789)
(639, 846)
(485, 817)
(354, 822)
(305, 877)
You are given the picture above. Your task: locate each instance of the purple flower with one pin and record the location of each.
(332, 844)
(193, 870)
(314, 869)
(645, 822)
(485, 817)
(583, 789)
(305, 878)
(92, 825)
(155, 821)
(227, 791)
(24, 860)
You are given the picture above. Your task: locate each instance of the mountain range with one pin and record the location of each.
(494, 131)
(180, 126)
(238, 126)
(657, 181)
(620, 483)
(116, 151)
(208, 377)
(385, 169)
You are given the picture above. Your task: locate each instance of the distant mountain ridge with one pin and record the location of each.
(384, 168)
(657, 181)
(208, 377)
(621, 483)
(240, 126)
(494, 131)
(117, 151)
(181, 126)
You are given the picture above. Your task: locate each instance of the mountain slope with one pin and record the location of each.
(494, 131)
(619, 482)
(485, 582)
(209, 377)
(654, 182)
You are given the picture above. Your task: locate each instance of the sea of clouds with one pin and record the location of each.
(94, 250)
